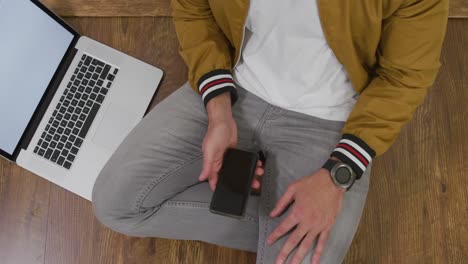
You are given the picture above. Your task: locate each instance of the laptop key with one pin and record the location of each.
(46, 129)
(57, 137)
(67, 165)
(82, 102)
(60, 130)
(80, 76)
(41, 152)
(87, 61)
(78, 142)
(71, 157)
(48, 153)
(100, 99)
(78, 110)
(40, 142)
(104, 91)
(55, 124)
(65, 152)
(86, 110)
(75, 131)
(72, 138)
(89, 120)
(116, 71)
(79, 124)
(98, 69)
(63, 139)
(36, 149)
(67, 131)
(60, 145)
(48, 138)
(55, 156)
(110, 77)
(92, 68)
(95, 77)
(74, 150)
(53, 144)
(105, 72)
(68, 145)
(45, 145)
(60, 160)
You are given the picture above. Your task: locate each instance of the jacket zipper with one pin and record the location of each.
(243, 34)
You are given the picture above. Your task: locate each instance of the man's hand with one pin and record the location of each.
(221, 135)
(317, 202)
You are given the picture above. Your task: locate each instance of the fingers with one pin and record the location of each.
(282, 228)
(259, 171)
(283, 202)
(305, 246)
(320, 246)
(289, 245)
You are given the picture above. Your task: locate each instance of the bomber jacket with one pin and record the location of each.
(389, 48)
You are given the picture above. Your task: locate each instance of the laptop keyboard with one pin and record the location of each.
(63, 136)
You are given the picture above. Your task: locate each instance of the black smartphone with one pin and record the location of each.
(234, 183)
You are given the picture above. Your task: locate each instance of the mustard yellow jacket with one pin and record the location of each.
(389, 48)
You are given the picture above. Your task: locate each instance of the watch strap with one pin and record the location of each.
(330, 164)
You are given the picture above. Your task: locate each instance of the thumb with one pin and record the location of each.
(207, 168)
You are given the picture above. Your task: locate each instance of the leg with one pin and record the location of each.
(150, 186)
(297, 145)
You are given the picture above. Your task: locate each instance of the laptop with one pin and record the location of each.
(66, 101)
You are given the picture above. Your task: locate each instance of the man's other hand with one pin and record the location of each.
(317, 202)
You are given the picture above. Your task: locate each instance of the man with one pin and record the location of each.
(304, 81)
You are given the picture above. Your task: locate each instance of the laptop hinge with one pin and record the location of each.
(53, 86)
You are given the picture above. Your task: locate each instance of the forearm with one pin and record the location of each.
(219, 108)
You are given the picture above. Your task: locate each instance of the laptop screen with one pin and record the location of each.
(32, 45)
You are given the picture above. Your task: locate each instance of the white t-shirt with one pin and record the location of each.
(287, 62)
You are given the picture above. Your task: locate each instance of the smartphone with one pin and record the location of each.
(234, 183)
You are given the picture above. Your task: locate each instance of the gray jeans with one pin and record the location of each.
(149, 187)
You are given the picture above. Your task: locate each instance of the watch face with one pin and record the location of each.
(343, 175)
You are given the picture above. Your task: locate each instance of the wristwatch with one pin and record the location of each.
(341, 173)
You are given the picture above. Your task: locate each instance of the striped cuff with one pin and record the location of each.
(215, 83)
(354, 152)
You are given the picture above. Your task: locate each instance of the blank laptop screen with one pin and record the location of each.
(32, 44)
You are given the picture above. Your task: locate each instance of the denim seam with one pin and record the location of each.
(261, 121)
(267, 204)
(153, 183)
(192, 204)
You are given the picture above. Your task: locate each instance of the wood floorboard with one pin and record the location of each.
(24, 200)
(416, 209)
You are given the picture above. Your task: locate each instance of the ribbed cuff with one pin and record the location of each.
(215, 83)
(354, 152)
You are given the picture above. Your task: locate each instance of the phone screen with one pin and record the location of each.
(234, 182)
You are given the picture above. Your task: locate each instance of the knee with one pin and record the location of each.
(111, 204)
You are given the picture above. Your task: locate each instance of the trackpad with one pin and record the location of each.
(115, 126)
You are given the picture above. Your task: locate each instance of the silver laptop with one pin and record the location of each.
(66, 101)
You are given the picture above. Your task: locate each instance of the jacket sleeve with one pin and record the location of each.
(407, 64)
(204, 48)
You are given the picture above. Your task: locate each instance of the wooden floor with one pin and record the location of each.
(417, 207)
